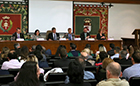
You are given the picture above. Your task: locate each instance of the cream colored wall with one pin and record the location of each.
(123, 19)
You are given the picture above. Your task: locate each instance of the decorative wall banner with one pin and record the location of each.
(13, 15)
(92, 16)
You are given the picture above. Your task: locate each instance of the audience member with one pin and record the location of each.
(89, 46)
(134, 70)
(18, 34)
(33, 58)
(31, 51)
(36, 35)
(53, 35)
(69, 35)
(130, 52)
(63, 61)
(24, 54)
(87, 50)
(122, 58)
(17, 48)
(113, 71)
(4, 54)
(102, 55)
(58, 50)
(100, 35)
(101, 71)
(75, 73)
(13, 61)
(84, 35)
(28, 75)
(73, 52)
(85, 56)
(116, 51)
(111, 52)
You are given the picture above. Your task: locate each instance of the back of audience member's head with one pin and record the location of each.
(100, 45)
(114, 68)
(88, 46)
(75, 72)
(102, 48)
(105, 62)
(39, 47)
(38, 55)
(16, 46)
(125, 47)
(136, 57)
(58, 50)
(28, 74)
(24, 52)
(117, 49)
(33, 47)
(4, 52)
(63, 53)
(103, 55)
(112, 45)
(73, 46)
(130, 50)
(12, 55)
(81, 60)
(123, 53)
(87, 50)
(32, 57)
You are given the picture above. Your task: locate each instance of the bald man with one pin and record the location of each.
(113, 71)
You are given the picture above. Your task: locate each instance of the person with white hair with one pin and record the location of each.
(113, 71)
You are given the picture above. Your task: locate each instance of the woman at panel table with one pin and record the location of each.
(101, 35)
(36, 35)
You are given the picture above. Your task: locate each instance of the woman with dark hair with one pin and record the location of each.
(75, 73)
(24, 54)
(100, 35)
(28, 75)
(36, 35)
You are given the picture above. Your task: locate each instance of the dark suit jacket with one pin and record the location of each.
(50, 36)
(15, 35)
(62, 62)
(123, 61)
(99, 37)
(82, 35)
(111, 52)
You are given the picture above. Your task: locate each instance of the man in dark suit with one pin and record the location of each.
(63, 62)
(84, 35)
(53, 35)
(111, 52)
(18, 34)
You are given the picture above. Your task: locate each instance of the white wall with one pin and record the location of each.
(45, 14)
(123, 19)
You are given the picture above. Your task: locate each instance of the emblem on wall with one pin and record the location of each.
(87, 24)
(6, 24)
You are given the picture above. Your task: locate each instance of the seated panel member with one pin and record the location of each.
(36, 35)
(69, 35)
(84, 35)
(100, 35)
(53, 35)
(18, 34)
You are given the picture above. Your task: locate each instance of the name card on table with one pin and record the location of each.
(62, 39)
(19, 39)
(77, 38)
(91, 39)
(40, 39)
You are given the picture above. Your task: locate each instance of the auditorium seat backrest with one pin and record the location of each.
(134, 81)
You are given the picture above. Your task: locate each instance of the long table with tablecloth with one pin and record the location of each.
(53, 45)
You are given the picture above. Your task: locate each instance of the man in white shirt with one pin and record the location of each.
(13, 62)
(116, 51)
